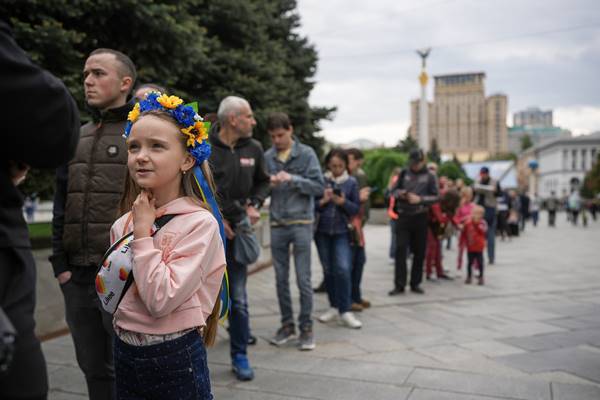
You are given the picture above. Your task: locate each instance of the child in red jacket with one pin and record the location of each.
(473, 234)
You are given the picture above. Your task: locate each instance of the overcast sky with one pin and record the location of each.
(542, 53)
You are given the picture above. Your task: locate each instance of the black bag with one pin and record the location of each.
(245, 248)
(8, 335)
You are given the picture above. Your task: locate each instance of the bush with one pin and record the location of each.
(378, 165)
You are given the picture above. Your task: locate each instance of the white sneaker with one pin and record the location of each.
(350, 320)
(329, 315)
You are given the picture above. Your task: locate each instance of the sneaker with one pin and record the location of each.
(241, 368)
(446, 277)
(251, 340)
(283, 335)
(306, 340)
(356, 307)
(468, 280)
(396, 292)
(365, 303)
(348, 319)
(481, 281)
(329, 315)
(417, 290)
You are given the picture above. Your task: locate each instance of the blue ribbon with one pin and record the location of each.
(209, 198)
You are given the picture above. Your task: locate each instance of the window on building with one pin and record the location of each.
(565, 159)
(583, 159)
(593, 156)
(573, 160)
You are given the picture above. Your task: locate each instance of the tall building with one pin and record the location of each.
(533, 117)
(537, 125)
(462, 120)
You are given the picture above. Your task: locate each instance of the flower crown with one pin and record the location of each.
(188, 120)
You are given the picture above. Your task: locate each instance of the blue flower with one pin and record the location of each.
(201, 152)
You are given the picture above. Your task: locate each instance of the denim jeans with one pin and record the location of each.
(300, 237)
(239, 328)
(490, 218)
(359, 258)
(175, 369)
(336, 256)
(92, 331)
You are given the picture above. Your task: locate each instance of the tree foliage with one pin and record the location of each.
(378, 165)
(452, 169)
(407, 144)
(434, 154)
(526, 142)
(202, 50)
(591, 182)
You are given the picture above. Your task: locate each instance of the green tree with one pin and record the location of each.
(452, 169)
(378, 165)
(526, 142)
(407, 144)
(591, 182)
(434, 152)
(202, 50)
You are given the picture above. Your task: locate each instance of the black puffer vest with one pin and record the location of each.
(96, 181)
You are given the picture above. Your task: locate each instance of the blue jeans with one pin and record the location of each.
(281, 239)
(336, 256)
(359, 258)
(239, 328)
(490, 218)
(176, 369)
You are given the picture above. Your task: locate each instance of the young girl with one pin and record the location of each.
(334, 209)
(462, 216)
(173, 303)
(474, 235)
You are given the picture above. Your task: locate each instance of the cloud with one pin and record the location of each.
(368, 67)
(388, 134)
(579, 119)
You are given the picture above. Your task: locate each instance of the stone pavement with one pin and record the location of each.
(532, 332)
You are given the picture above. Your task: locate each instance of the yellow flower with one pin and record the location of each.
(202, 132)
(169, 101)
(191, 138)
(134, 113)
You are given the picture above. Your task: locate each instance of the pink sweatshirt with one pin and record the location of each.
(177, 272)
(464, 213)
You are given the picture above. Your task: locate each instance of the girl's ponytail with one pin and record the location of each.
(212, 323)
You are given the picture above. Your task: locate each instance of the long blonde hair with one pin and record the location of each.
(190, 189)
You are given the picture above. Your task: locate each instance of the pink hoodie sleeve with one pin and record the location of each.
(164, 285)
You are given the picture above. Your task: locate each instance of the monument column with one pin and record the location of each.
(423, 132)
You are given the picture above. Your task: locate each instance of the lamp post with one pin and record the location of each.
(423, 137)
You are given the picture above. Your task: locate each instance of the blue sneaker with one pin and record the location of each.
(241, 368)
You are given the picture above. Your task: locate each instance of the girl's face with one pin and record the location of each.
(337, 166)
(156, 156)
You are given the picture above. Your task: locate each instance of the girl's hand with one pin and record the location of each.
(339, 200)
(327, 195)
(144, 213)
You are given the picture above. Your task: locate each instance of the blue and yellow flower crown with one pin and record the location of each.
(188, 120)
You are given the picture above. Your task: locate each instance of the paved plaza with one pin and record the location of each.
(532, 332)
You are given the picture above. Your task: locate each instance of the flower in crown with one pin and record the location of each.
(188, 120)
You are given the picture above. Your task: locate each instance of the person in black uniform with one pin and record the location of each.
(415, 190)
(40, 129)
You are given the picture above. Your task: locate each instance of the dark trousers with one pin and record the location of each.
(93, 335)
(359, 258)
(239, 325)
(551, 217)
(475, 257)
(175, 369)
(26, 377)
(411, 231)
(490, 218)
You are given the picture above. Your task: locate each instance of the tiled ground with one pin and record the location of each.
(531, 333)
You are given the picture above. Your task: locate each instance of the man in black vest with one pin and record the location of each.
(40, 126)
(88, 191)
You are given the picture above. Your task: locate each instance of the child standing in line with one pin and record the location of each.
(462, 216)
(474, 234)
(173, 302)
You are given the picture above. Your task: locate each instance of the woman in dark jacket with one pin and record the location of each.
(334, 209)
